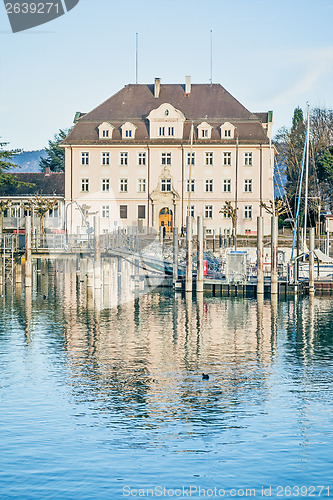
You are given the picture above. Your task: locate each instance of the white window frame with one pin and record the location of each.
(166, 158)
(161, 131)
(192, 185)
(209, 158)
(248, 159)
(248, 185)
(105, 160)
(208, 211)
(123, 185)
(171, 131)
(189, 159)
(166, 186)
(141, 159)
(141, 185)
(248, 212)
(123, 158)
(85, 158)
(128, 133)
(209, 186)
(85, 185)
(192, 211)
(105, 185)
(105, 211)
(226, 186)
(227, 158)
(105, 134)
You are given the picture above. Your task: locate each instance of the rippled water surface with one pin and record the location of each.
(97, 401)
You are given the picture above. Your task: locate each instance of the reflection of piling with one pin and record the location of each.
(311, 260)
(274, 252)
(199, 254)
(28, 267)
(97, 253)
(175, 254)
(188, 286)
(161, 235)
(18, 270)
(260, 261)
(90, 272)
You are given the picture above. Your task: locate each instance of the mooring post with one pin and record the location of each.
(97, 253)
(175, 255)
(90, 272)
(260, 261)
(311, 260)
(213, 240)
(199, 254)
(28, 267)
(274, 253)
(161, 235)
(188, 284)
(18, 270)
(220, 238)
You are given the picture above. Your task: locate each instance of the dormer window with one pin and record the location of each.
(227, 130)
(204, 131)
(105, 130)
(128, 130)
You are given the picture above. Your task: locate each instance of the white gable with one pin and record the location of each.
(166, 121)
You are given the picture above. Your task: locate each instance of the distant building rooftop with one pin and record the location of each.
(42, 183)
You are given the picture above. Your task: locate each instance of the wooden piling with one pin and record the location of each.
(188, 284)
(28, 266)
(260, 261)
(175, 255)
(97, 253)
(311, 260)
(274, 252)
(199, 254)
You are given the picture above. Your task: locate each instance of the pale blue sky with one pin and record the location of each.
(272, 54)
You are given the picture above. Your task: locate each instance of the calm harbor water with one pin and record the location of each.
(105, 403)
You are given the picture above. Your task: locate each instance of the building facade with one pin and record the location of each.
(134, 159)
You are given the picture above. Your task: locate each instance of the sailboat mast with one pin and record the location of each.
(306, 180)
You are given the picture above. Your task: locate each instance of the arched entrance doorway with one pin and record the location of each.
(166, 218)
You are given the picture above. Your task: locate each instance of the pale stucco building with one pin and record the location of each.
(129, 159)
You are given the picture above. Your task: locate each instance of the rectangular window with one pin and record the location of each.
(227, 158)
(171, 131)
(105, 211)
(161, 131)
(227, 133)
(209, 186)
(15, 212)
(166, 185)
(54, 212)
(84, 185)
(128, 133)
(141, 211)
(248, 159)
(141, 158)
(192, 211)
(166, 158)
(123, 185)
(189, 158)
(141, 185)
(105, 158)
(208, 211)
(209, 158)
(105, 133)
(84, 158)
(248, 185)
(106, 185)
(123, 211)
(123, 158)
(248, 212)
(227, 185)
(192, 185)
(204, 133)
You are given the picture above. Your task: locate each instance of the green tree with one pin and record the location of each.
(6, 164)
(55, 154)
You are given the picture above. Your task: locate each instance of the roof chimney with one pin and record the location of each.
(47, 171)
(157, 88)
(188, 85)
